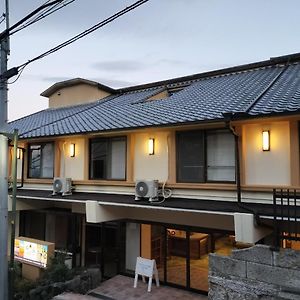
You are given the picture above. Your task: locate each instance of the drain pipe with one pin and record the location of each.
(228, 118)
(22, 172)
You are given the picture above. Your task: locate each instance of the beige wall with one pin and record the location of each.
(151, 166)
(74, 166)
(81, 93)
(267, 167)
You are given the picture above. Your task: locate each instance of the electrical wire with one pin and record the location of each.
(43, 14)
(85, 32)
(36, 17)
(19, 75)
(3, 18)
(163, 192)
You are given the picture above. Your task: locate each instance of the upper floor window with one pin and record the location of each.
(41, 160)
(108, 158)
(205, 156)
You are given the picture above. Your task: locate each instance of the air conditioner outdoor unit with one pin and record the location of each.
(62, 186)
(146, 189)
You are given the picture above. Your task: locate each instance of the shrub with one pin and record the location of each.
(57, 271)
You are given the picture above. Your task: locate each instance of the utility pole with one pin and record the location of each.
(4, 51)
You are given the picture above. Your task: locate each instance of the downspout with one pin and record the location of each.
(237, 164)
(228, 118)
(22, 173)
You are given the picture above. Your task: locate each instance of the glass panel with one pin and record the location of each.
(108, 159)
(176, 259)
(220, 156)
(98, 159)
(200, 247)
(34, 161)
(118, 159)
(132, 246)
(110, 249)
(190, 156)
(92, 245)
(157, 248)
(47, 161)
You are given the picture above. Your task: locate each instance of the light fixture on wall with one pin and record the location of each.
(151, 146)
(266, 140)
(18, 153)
(72, 150)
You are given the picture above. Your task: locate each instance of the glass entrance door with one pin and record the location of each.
(176, 256)
(113, 248)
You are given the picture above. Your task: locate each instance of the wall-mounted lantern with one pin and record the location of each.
(19, 153)
(151, 146)
(266, 140)
(72, 150)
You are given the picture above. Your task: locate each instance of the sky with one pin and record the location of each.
(161, 39)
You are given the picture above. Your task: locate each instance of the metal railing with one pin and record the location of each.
(286, 215)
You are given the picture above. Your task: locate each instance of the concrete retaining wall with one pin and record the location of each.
(255, 273)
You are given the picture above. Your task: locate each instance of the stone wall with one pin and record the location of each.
(255, 273)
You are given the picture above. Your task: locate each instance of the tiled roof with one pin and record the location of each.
(265, 90)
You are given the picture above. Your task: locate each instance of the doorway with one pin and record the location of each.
(105, 244)
(182, 253)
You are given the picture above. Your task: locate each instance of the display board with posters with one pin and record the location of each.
(33, 252)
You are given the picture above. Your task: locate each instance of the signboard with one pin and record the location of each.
(33, 252)
(146, 267)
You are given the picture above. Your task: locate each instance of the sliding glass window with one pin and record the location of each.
(108, 158)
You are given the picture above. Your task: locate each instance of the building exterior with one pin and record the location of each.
(220, 143)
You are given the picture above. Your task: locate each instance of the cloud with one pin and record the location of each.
(168, 61)
(45, 78)
(114, 83)
(120, 66)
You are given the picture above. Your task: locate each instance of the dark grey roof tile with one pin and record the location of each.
(253, 91)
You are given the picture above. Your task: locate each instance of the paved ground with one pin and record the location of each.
(121, 288)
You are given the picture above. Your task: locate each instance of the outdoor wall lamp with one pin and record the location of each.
(72, 150)
(266, 140)
(18, 153)
(151, 146)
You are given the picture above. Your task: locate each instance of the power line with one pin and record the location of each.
(44, 14)
(4, 34)
(85, 32)
(3, 17)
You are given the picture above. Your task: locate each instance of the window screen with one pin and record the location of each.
(220, 156)
(190, 156)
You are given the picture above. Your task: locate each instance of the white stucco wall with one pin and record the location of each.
(147, 166)
(267, 167)
(74, 166)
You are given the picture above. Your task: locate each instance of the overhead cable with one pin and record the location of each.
(2, 18)
(43, 14)
(85, 32)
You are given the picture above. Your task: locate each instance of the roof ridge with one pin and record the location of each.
(209, 74)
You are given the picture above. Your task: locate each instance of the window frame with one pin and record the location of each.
(110, 138)
(29, 159)
(204, 132)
